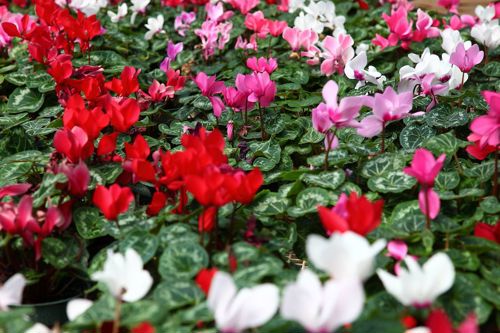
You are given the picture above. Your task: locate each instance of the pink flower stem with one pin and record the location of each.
(262, 130)
(329, 147)
(463, 79)
(382, 135)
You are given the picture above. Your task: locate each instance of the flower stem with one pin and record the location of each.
(495, 176)
(262, 130)
(463, 79)
(427, 211)
(329, 141)
(116, 320)
(382, 136)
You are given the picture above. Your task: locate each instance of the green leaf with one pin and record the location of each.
(48, 187)
(391, 182)
(407, 217)
(141, 241)
(328, 180)
(24, 99)
(413, 136)
(182, 260)
(465, 260)
(60, 253)
(490, 205)
(270, 204)
(382, 164)
(492, 69)
(442, 115)
(90, 223)
(309, 199)
(266, 266)
(38, 127)
(447, 180)
(483, 172)
(176, 294)
(178, 232)
(444, 143)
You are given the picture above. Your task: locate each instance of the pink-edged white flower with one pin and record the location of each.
(124, 276)
(121, 13)
(183, 22)
(355, 70)
(451, 38)
(344, 255)
(154, 26)
(235, 311)
(11, 292)
(419, 285)
(337, 51)
(76, 307)
(322, 308)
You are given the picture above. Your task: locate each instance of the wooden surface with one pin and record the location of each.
(466, 6)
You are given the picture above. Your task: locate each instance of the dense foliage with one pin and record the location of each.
(217, 138)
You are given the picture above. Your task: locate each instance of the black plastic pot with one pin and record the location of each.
(49, 313)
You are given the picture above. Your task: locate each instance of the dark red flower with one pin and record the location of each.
(487, 231)
(74, 144)
(143, 327)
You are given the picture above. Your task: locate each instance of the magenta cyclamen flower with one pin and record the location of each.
(209, 87)
(172, 51)
(487, 128)
(425, 169)
(331, 113)
(387, 106)
(260, 87)
(466, 59)
(262, 64)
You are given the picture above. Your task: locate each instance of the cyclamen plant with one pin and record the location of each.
(249, 166)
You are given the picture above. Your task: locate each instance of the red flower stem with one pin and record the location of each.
(427, 211)
(495, 176)
(329, 147)
(262, 130)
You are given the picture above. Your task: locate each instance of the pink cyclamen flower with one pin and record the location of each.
(172, 51)
(78, 177)
(235, 99)
(209, 87)
(300, 39)
(424, 27)
(337, 52)
(14, 189)
(183, 22)
(387, 106)
(242, 43)
(400, 29)
(258, 23)
(425, 169)
(276, 28)
(466, 59)
(332, 113)
(450, 5)
(397, 249)
(216, 12)
(486, 129)
(244, 6)
(262, 88)
(262, 64)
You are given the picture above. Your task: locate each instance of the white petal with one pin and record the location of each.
(11, 293)
(256, 306)
(440, 271)
(76, 307)
(316, 247)
(393, 286)
(39, 328)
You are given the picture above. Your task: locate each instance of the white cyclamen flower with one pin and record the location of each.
(77, 307)
(39, 328)
(155, 26)
(485, 14)
(487, 34)
(322, 308)
(355, 70)
(236, 311)
(308, 21)
(344, 255)
(88, 7)
(11, 292)
(451, 38)
(122, 12)
(124, 276)
(293, 5)
(420, 286)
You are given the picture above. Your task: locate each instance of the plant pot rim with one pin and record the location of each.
(59, 301)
